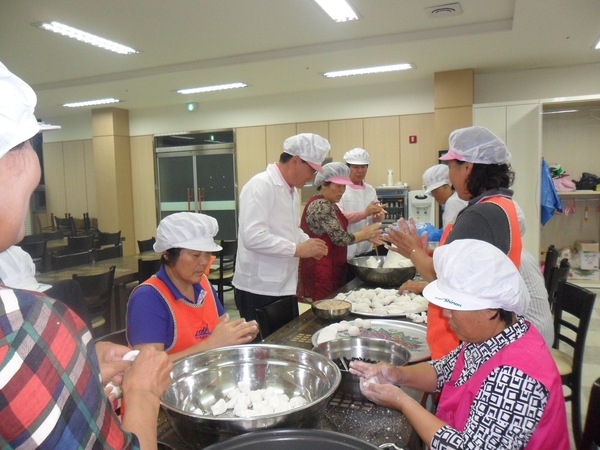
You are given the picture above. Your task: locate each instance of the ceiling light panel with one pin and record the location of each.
(217, 87)
(85, 37)
(369, 70)
(101, 101)
(338, 10)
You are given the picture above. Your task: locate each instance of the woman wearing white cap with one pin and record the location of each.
(359, 202)
(323, 219)
(500, 388)
(53, 376)
(177, 309)
(436, 181)
(480, 172)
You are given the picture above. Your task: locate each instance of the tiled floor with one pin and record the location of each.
(591, 365)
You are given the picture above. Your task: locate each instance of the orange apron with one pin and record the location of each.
(440, 337)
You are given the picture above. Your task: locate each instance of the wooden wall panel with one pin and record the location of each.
(276, 134)
(416, 158)
(75, 179)
(143, 185)
(90, 178)
(54, 175)
(320, 128)
(251, 153)
(344, 135)
(382, 141)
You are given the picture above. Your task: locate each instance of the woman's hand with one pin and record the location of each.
(110, 357)
(370, 233)
(412, 286)
(233, 332)
(381, 372)
(405, 238)
(386, 395)
(375, 208)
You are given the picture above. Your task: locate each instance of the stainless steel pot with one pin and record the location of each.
(293, 439)
(343, 350)
(202, 379)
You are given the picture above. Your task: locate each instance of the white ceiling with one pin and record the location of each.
(277, 46)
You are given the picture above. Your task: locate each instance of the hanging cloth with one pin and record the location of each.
(549, 198)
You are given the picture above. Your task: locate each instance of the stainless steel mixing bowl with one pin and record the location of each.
(391, 277)
(202, 379)
(343, 350)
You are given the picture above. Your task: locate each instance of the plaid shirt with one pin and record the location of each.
(51, 394)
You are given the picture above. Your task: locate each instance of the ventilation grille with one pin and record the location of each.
(447, 10)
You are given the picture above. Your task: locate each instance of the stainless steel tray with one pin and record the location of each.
(408, 334)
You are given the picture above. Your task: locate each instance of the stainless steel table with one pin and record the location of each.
(356, 417)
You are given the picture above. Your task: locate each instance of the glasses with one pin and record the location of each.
(310, 167)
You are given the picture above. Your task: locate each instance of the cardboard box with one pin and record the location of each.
(588, 253)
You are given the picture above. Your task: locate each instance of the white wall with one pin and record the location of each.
(379, 100)
(537, 84)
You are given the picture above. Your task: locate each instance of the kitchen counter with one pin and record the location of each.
(356, 417)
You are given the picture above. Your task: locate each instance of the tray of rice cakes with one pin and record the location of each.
(383, 303)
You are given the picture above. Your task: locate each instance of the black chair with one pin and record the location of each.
(591, 432)
(550, 263)
(572, 314)
(223, 275)
(112, 251)
(70, 293)
(558, 275)
(109, 238)
(37, 251)
(33, 238)
(146, 245)
(63, 261)
(98, 290)
(53, 235)
(147, 268)
(66, 225)
(273, 316)
(77, 244)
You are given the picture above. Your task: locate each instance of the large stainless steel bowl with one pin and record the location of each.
(344, 350)
(391, 277)
(202, 379)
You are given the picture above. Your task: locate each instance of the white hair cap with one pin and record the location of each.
(474, 275)
(357, 156)
(476, 145)
(17, 102)
(310, 148)
(436, 176)
(336, 172)
(187, 230)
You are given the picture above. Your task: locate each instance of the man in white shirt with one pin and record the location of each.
(270, 240)
(359, 202)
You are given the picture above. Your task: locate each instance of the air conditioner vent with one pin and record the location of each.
(447, 10)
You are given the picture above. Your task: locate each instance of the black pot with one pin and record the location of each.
(297, 439)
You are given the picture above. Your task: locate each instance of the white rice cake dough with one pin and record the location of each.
(252, 403)
(396, 260)
(330, 332)
(383, 302)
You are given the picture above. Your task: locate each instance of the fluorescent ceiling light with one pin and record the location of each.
(217, 87)
(85, 37)
(561, 111)
(338, 10)
(101, 101)
(369, 70)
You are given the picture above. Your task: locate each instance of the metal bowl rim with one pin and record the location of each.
(356, 338)
(335, 384)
